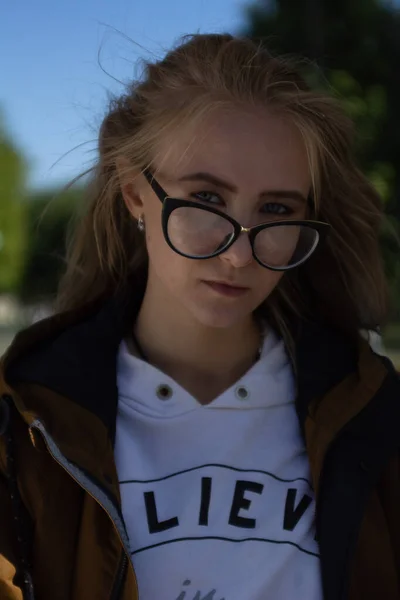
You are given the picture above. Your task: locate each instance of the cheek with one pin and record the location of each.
(170, 267)
(265, 283)
(158, 250)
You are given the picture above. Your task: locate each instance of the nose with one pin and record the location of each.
(240, 254)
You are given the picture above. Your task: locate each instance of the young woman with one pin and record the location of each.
(202, 418)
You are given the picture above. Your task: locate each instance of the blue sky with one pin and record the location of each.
(53, 92)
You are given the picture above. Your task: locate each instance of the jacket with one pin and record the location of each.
(62, 534)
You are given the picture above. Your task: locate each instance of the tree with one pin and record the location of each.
(49, 215)
(12, 215)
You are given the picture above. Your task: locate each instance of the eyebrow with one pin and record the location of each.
(214, 180)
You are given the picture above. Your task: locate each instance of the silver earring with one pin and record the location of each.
(140, 223)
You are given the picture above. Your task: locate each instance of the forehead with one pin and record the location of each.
(256, 149)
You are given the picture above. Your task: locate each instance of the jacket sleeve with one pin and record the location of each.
(390, 499)
(9, 590)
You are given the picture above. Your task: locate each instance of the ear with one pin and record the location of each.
(131, 182)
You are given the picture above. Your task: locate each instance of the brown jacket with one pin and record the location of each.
(62, 535)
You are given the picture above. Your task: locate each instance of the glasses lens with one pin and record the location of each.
(285, 246)
(198, 233)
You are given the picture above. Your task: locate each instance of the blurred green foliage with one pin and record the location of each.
(13, 239)
(49, 214)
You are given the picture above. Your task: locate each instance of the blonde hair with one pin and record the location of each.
(344, 283)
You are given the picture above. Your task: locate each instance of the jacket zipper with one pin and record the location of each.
(60, 459)
(119, 580)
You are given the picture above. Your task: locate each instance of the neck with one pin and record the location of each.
(178, 344)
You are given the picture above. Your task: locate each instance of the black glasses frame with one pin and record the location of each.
(170, 204)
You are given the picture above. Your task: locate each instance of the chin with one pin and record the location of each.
(223, 319)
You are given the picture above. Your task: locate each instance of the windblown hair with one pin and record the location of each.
(344, 283)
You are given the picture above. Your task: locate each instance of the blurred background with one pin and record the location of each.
(61, 61)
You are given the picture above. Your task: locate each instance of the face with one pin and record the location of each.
(250, 166)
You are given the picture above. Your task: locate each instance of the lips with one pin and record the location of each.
(228, 284)
(227, 289)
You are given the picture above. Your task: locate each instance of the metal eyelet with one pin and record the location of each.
(242, 393)
(164, 391)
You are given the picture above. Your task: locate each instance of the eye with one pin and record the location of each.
(276, 208)
(208, 197)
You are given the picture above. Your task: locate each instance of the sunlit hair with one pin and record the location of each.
(343, 284)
